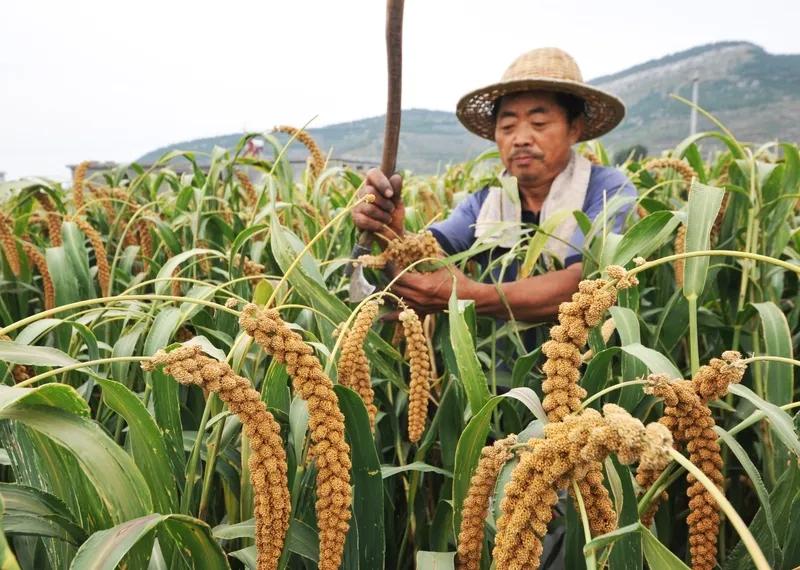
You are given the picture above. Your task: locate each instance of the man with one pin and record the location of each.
(535, 114)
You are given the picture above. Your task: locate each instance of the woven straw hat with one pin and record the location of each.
(544, 69)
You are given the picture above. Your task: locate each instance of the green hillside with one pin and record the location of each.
(755, 93)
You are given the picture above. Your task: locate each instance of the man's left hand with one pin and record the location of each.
(430, 292)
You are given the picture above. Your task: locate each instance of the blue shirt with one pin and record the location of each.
(457, 232)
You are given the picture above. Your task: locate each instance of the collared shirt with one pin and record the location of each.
(457, 232)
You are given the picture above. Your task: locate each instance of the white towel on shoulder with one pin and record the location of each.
(500, 218)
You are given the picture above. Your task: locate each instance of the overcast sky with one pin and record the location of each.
(111, 80)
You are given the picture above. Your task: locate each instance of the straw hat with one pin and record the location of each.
(544, 69)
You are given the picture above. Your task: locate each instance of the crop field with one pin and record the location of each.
(185, 384)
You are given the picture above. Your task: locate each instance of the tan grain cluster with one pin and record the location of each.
(563, 395)
(317, 159)
(100, 254)
(249, 267)
(353, 366)
(476, 504)
(570, 450)
(420, 363)
(682, 168)
(251, 197)
(78, 180)
(326, 424)
(680, 247)
(53, 219)
(688, 417)
(9, 243)
(37, 258)
(405, 250)
(268, 467)
(142, 229)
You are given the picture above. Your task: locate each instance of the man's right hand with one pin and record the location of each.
(387, 210)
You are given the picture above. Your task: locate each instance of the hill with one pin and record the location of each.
(755, 93)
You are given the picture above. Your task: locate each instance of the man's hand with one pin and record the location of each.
(386, 210)
(430, 292)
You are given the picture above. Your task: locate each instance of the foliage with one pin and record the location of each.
(105, 463)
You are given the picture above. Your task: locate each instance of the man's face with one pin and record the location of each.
(534, 137)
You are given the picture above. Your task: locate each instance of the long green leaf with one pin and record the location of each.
(704, 203)
(778, 419)
(196, 547)
(366, 478)
(147, 443)
(469, 368)
(115, 476)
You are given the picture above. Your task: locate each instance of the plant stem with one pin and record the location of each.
(109, 300)
(79, 365)
(194, 458)
(591, 560)
(694, 343)
(604, 391)
(212, 451)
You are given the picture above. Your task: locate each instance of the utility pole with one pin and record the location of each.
(693, 116)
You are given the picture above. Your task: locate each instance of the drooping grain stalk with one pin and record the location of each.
(37, 258)
(353, 366)
(53, 219)
(326, 424)
(567, 453)
(563, 395)
(404, 251)
(317, 159)
(267, 462)
(419, 362)
(688, 417)
(249, 267)
(251, 196)
(9, 243)
(142, 229)
(78, 180)
(101, 257)
(476, 504)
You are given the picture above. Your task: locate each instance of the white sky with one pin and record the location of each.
(112, 79)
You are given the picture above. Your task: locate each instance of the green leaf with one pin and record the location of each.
(366, 479)
(192, 537)
(419, 466)
(778, 418)
(469, 368)
(539, 240)
(78, 258)
(34, 355)
(646, 236)
(435, 560)
(30, 511)
(113, 473)
(758, 484)
(627, 324)
(656, 362)
(147, 444)
(7, 559)
(166, 404)
(627, 552)
(779, 377)
(704, 203)
(657, 555)
(166, 271)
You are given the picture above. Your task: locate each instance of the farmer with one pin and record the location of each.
(535, 114)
